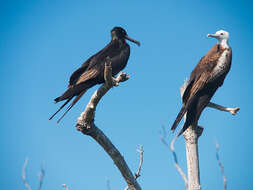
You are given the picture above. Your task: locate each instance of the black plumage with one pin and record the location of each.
(92, 71)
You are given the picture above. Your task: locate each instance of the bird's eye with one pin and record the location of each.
(221, 33)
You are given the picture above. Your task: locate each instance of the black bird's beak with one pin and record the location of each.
(132, 40)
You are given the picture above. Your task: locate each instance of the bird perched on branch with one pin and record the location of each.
(205, 79)
(92, 71)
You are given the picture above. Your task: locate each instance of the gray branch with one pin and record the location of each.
(41, 177)
(172, 148)
(138, 173)
(108, 184)
(85, 124)
(65, 186)
(24, 174)
(191, 136)
(220, 165)
(233, 111)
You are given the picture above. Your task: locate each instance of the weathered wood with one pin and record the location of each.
(85, 124)
(191, 136)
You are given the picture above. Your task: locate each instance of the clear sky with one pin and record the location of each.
(43, 42)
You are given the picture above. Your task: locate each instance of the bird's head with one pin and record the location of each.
(222, 37)
(120, 34)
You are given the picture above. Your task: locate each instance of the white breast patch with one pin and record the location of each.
(222, 63)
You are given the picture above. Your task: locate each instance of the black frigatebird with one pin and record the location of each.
(92, 71)
(205, 79)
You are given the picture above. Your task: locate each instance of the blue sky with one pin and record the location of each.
(43, 42)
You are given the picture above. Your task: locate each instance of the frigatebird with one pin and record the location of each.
(208, 75)
(92, 71)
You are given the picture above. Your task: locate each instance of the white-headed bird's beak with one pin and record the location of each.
(213, 35)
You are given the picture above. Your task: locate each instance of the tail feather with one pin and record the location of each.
(58, 99)
(183, 129)
(179, 117)
(71, 105)
(76, 90)
(60, 108)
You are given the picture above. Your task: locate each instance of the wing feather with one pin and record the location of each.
(87, 75)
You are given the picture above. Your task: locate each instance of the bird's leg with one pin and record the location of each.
(233, 111)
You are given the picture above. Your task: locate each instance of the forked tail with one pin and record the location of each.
(61, 108)
(179, 117)
(71, 105)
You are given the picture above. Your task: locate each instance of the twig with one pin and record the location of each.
(179, 169)
(65, 186)
(24, 174)
(172, 148)
(108, 184)
(138, 173)
(85, 124)
(41, 177)
(220, 165)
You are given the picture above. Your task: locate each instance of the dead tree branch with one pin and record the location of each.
(172, 148)
(41, 177)
(191, 136)
(138, 173)
(24, 174)
(65, 186)
(179, 169)
(233, 111)
(108, 184)
(220, 165)
(85, 124)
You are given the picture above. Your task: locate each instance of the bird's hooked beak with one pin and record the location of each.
(213, 35)
(132, 40)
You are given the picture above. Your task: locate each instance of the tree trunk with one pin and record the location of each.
(191, 136)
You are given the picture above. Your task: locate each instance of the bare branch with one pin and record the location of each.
(220, 165)
(41, 177)
(65, 186)
(108, 184)
(179, 169)
(138, 173)
(172, 148)
(85, 124)
(233, 111)
(24, 174)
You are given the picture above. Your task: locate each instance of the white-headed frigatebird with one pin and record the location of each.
(205, 79)
(92, 71)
